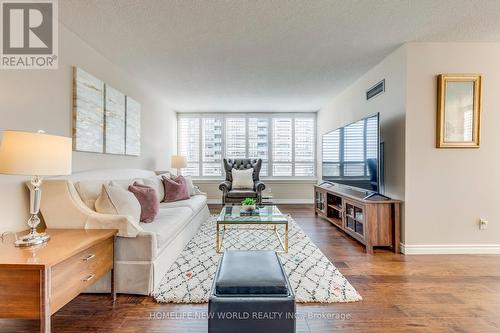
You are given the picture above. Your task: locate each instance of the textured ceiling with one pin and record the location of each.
(266, 55)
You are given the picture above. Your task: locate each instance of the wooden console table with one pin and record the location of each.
(36, 282)
(371, 222)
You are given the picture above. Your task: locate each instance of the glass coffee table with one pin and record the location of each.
(262, 218)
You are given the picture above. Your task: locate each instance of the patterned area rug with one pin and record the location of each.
(312, 276)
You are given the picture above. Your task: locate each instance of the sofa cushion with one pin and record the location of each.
(89, 190)
(195, 203)
(125, 183)
(169, 223)
(242, 194)
(250, 273)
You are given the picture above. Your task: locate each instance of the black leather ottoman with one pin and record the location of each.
(251, 293)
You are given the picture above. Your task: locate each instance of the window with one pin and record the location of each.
(211, 147)
(189, 135)
(286, 143)
(236, 138)
(282, 147)
(304, 146)
(258, 141)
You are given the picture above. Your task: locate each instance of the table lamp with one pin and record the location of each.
(35, 155)
(178, 162)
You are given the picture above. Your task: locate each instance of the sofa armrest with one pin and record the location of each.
(259, 186)
(225, 186)
(62, 207)
(124, 224)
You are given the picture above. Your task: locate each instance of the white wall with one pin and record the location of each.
(448, 190)
(351, 105)
(42, 99)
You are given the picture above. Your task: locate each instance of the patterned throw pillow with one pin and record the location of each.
(148, 200)
(175, 189)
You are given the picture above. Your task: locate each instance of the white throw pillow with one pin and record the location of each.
(191, 189)
(115, 200)
(156, 183)
(89, 190)
(194, 190)
(242, 179)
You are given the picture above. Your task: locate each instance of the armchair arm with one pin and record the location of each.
(259, 186)
(225, 186)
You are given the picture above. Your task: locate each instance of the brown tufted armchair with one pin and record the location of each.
(236, 196)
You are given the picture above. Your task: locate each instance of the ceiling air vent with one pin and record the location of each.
(375, 90)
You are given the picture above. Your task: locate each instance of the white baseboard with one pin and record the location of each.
(451, 249)
(275, 201)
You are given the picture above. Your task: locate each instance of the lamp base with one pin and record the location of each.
(32, 239)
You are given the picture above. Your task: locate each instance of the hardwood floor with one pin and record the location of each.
(445, 293)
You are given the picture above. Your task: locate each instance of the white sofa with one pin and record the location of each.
(140, 261)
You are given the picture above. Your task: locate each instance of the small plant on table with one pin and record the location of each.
(248, 204)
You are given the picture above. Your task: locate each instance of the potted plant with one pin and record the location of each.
(248, 204)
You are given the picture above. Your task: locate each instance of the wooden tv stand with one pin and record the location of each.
(372, 222)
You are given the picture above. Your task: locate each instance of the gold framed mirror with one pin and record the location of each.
(459, 111)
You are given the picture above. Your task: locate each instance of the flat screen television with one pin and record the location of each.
(352, 156)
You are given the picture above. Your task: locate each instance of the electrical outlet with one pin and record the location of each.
(483, 224)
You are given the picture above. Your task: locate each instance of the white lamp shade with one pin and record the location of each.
(40, 154)
(178, 162)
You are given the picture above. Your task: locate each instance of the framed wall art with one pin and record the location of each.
(115, 122)
(133, 127)
(458, 111)
(104, 119)
(88, 112)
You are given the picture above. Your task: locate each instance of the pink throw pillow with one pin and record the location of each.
(175, 189)
(148, 200)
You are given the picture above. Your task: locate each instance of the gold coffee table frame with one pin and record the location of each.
(271, 216)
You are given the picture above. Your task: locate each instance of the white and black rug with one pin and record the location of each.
(312, 276)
